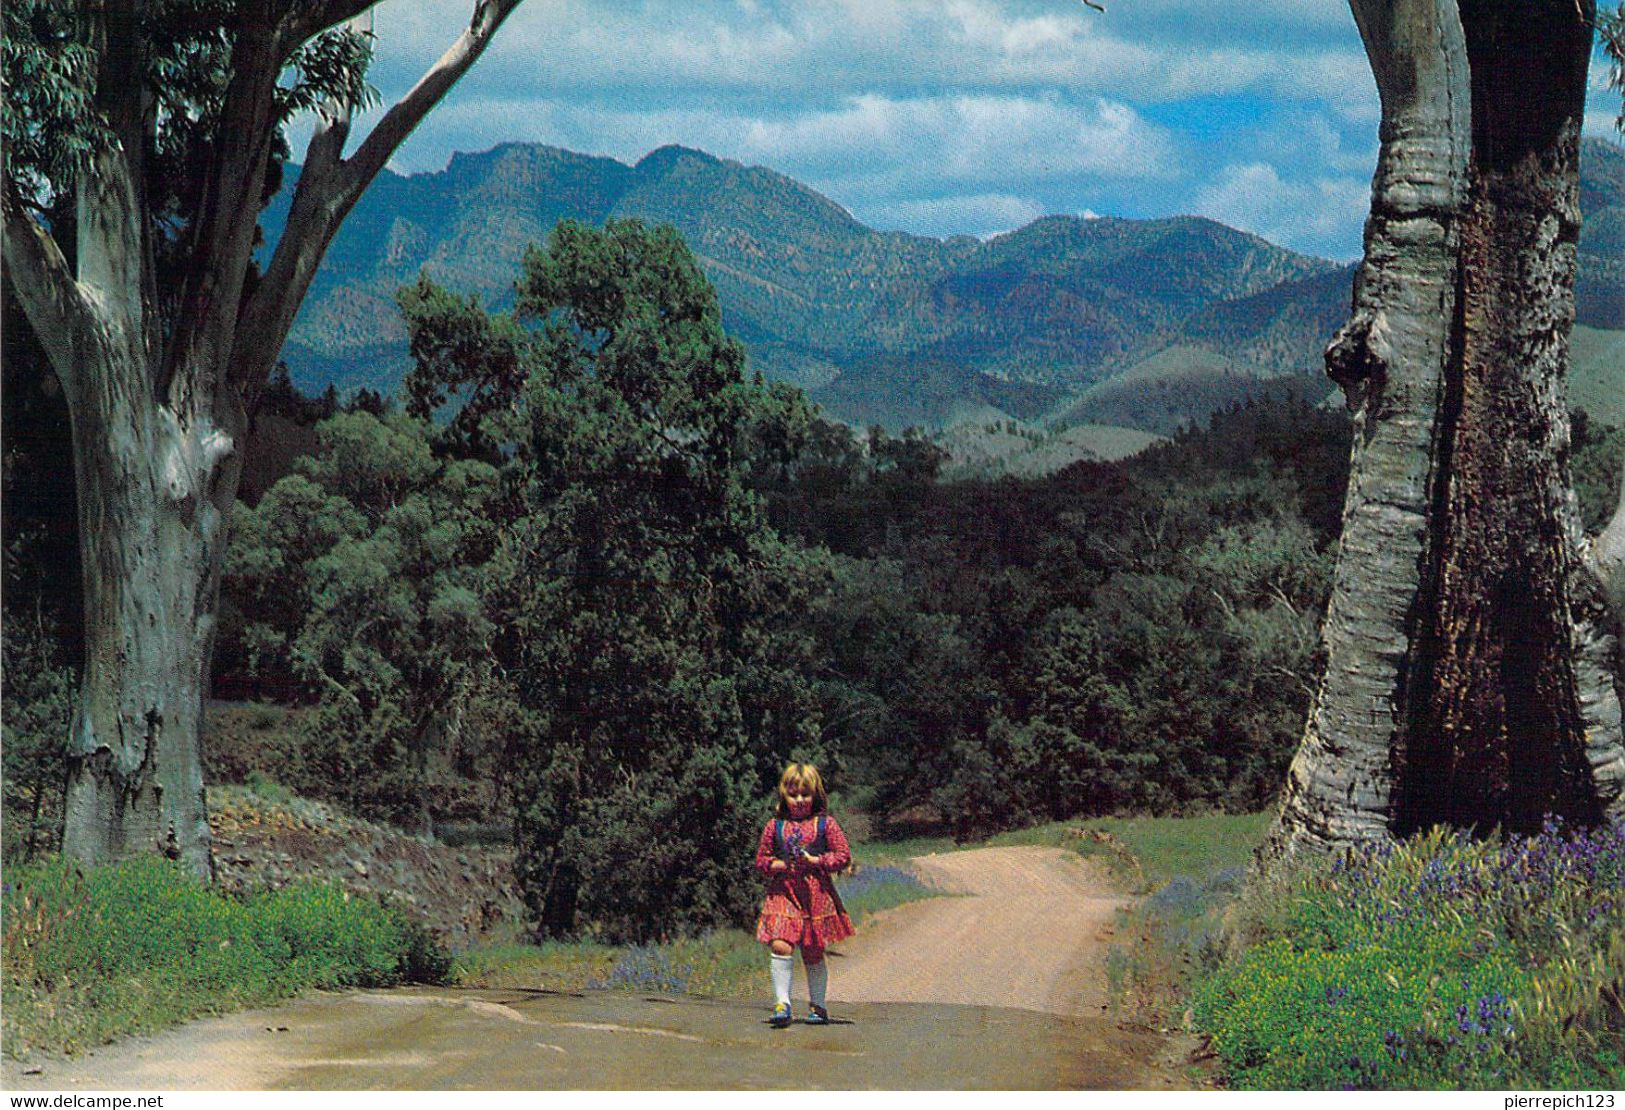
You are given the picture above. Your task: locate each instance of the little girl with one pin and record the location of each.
(800, 849)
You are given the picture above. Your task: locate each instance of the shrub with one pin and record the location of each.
(1440, 962)
(92, 954)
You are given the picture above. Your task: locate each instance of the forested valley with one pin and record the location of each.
(592, 581)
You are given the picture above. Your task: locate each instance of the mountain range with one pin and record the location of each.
(1137, 323)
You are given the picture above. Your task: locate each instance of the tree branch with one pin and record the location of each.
(38, 276)
(328, 188)
(222, 232)
(113, 249)
(400, 120)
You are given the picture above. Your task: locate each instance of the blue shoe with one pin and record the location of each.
(781, 1016)
(817, 1015)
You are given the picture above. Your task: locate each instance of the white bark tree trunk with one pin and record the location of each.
(158, 414)
(152, 539)
(1390, 360)
(1463, 683)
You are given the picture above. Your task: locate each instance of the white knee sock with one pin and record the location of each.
(782, 966)
(817, 981)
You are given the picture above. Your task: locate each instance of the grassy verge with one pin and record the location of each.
(727, 963)
(1439, 963)
(90, 955)
(1144, 852)
(1197, 849)
(1436, 963)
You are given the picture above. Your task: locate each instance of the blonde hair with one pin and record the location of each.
(803, 775)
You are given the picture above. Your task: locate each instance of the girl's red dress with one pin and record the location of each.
(801, 905)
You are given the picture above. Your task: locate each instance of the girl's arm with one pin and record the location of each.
(764, 854)
(839, 853)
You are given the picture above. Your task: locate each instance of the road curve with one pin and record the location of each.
(1028, 929)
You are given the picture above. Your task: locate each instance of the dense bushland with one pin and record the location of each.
(88, 955)
(597, 583)
(1114, 638)
(563, 600)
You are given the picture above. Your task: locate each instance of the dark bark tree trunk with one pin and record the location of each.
(1472, 674)
(158, 412)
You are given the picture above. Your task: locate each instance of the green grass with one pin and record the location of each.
(551, 965)
(896, 853)
(1145, 852)
(93, 954)
(726, 963)
(1195, 847)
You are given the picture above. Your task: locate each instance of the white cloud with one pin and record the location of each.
(1313, 139)
(981, 214)
(1601, 123)
(845, 47)
(909, 111)
(872, 143)
(1321, 214)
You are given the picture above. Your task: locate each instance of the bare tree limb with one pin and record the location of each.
(400, 120)
(222, 234)
(328, 188)
(38, 275)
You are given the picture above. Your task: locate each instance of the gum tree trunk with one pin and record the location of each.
(1472, 672)
(158, 402)
(154, 483)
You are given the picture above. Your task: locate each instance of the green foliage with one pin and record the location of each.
(89, 955)
(649, 646)
(1611, 39)
(50, 128)
(1440, 963)
(365, 573)
(1122, 637)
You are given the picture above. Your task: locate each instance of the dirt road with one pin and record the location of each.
(999, 987)
(1029, 930)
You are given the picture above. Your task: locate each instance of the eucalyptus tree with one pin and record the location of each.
(1473, 670)
(142, 139)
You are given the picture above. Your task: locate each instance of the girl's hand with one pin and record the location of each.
(808, 858)
(778, 865)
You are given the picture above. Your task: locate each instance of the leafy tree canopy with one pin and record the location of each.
(648, 611)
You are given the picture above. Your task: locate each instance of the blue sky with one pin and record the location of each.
(942, 116)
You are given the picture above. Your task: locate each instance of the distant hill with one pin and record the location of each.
(999, 448)
(1141, 323)
(1600, 291)
(1597, 374)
